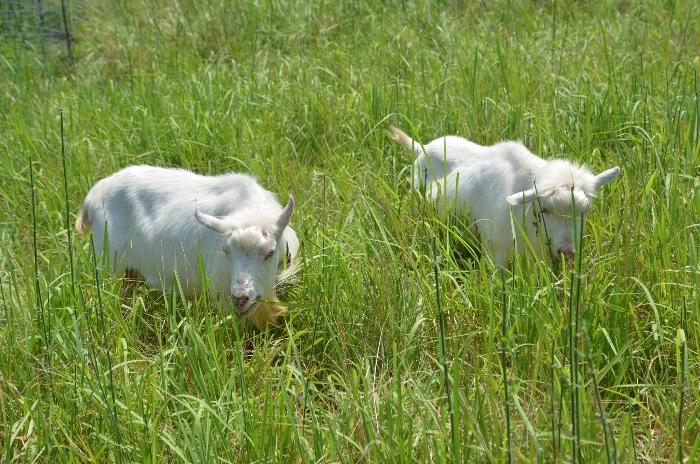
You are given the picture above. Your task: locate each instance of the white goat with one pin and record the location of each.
(486, 183)
(155, 227)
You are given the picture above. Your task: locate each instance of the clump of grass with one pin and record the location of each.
(298, 95)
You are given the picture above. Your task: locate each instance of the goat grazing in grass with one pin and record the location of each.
(486, 183)
(159, 222)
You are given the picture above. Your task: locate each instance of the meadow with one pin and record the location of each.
(399, 345)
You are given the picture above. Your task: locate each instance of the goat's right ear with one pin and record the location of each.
(520, 198)
(283, 220)
(606, 177)
(213, 223)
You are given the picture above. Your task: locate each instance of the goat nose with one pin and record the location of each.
(568, 254)
(240, 301)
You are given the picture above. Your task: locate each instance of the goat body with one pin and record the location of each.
(487, 183)
(159, 222)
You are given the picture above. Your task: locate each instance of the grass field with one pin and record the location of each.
(372, 363)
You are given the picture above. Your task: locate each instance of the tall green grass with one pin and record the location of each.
(593, 364)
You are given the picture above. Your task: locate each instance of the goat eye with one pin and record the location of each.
(269, 255)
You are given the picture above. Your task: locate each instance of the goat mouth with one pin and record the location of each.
(248, 310)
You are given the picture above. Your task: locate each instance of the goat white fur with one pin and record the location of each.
(486, 183)
(161, 221)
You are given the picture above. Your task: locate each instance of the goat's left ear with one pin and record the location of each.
(213, 223)
(606, 177)
(286, 215)
(519, 198)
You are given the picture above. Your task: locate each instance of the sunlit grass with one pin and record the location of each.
(300, 95)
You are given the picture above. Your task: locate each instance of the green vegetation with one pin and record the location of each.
(300, 94)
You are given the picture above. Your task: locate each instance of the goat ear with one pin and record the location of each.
(283, 220)
(213, 223)
(606, 177)
(521, 197)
